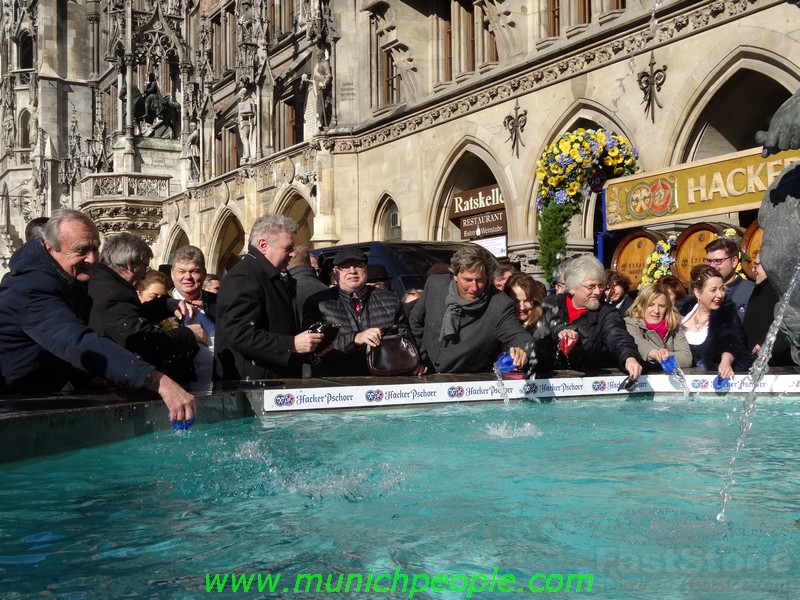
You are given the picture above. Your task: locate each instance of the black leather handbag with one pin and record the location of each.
(397, 354)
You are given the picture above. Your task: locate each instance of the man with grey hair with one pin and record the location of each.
(45, 342)
(462, 322)
(258, 326)
(118, 314)
(602, 340)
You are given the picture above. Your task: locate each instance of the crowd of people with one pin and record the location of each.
(73, 314)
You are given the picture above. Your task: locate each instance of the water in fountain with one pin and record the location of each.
(757, 372)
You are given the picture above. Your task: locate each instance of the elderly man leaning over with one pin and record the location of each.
(45, 342)
(461, 323)
(118, 314)
(598, 328)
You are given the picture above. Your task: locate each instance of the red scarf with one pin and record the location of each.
(660, 328)
(573, 313)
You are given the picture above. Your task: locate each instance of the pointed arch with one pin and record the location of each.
(470, 164)
(750, 82)
(294, 203)
(586, 114)
(386, 223)
(177, 238)
(228, 242)
(23, 129)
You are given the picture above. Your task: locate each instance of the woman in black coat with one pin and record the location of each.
(712, 326)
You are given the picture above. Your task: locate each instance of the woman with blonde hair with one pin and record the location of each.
(655, 325)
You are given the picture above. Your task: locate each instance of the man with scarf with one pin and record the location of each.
(462, 324)
(602, 340)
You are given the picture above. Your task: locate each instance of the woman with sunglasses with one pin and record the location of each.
(712, 326)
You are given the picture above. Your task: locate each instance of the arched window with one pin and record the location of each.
(391, 225)
(25, 51)
(24, 129)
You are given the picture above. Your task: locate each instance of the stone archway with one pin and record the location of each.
(229, 245)
(469, 176)
(743, 105)
(295, 206)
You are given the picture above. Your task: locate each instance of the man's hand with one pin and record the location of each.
(180, 403)
(199, 333)
(181, 308)
(519, 355)
(370, 337)
(633, 368)
(306, 342)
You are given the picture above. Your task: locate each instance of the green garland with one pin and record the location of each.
(554, 222)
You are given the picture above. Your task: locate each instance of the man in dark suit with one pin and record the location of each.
(188, 276)
(258, 329)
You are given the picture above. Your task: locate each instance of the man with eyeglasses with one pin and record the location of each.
(723, 255)
(601, 338)
(359, 309)
(118, 314)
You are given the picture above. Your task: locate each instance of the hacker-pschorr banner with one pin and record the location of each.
(376, 395)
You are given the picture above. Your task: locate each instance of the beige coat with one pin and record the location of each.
(648, 340)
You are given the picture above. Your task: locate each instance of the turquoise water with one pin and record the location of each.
(625, 491)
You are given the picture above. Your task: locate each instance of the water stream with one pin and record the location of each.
(752, 380)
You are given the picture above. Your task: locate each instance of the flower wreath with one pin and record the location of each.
(659, 262)
(730, 234)
(575, 165)
(582, 157)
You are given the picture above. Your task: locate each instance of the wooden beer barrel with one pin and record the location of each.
(630, 256)
(690, 249)
(751, 246)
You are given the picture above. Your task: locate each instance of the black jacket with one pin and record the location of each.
(380, 309)
(603, 338)
(758, 318)
(118, 314)
(256, 323)
(44, 338)
(725, 334)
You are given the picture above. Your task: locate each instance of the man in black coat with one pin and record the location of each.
(359, 309)
(118, 314)
(759, 317)
(258, 330)
(602, 340)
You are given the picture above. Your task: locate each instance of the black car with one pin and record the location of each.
(406, 262)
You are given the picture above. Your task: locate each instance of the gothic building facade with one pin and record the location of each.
(184, 120)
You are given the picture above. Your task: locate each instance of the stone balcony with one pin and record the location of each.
(129, 202)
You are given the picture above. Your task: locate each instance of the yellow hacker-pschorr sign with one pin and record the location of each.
(705, 188)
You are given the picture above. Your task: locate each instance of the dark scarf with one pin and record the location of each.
(458, 307)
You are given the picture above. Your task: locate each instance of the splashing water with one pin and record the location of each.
(753, 378)
(505, 430)
(681, 377)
